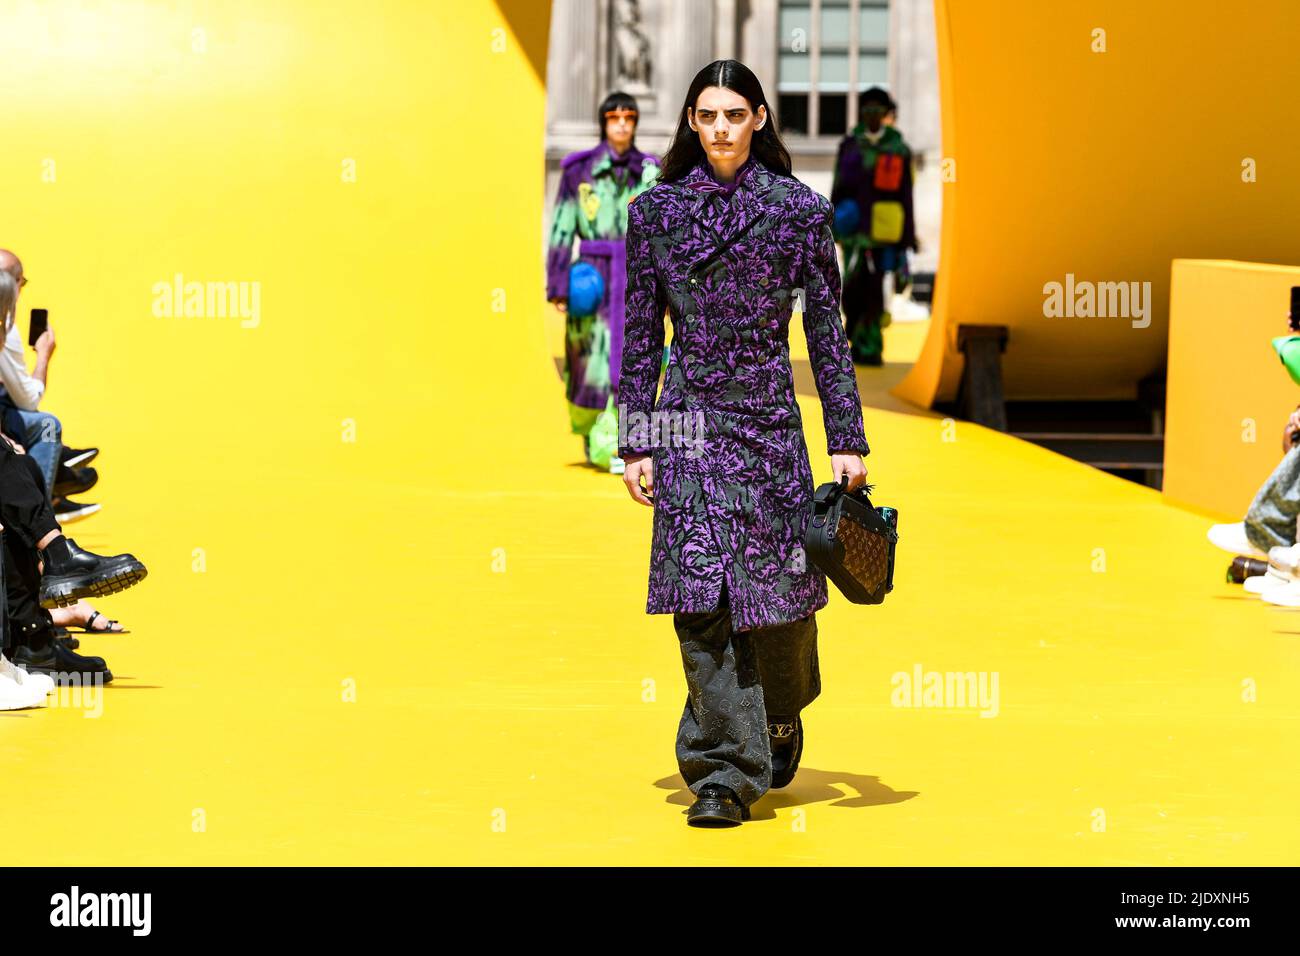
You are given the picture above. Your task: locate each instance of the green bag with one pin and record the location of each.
(1287, 348)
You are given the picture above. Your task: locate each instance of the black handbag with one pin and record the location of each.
(852, 542)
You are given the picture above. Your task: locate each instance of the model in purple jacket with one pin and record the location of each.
(730, 475)
(729, 244)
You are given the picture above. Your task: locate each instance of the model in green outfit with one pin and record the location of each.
(596, 186)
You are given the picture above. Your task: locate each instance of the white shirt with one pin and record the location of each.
(24, 391)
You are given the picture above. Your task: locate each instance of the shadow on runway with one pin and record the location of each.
(809, 786)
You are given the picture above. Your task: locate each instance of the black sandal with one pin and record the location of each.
(88, 629)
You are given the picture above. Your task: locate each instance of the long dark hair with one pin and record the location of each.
(765, 146)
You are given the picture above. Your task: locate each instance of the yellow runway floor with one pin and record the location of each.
(392, 618)
(509, 702)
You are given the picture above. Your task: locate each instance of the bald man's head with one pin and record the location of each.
(11, 264)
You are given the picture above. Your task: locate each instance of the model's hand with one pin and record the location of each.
(560, 304)
(14, 445)
(633, 469)
(851, 465)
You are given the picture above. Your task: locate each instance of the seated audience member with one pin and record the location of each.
(39, 433)
(19, 688)
(42, 568)
(1270, 520)
(1270, 526)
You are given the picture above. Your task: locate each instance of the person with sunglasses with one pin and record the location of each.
(596, 186)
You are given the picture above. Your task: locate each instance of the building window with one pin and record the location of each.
(831, 50)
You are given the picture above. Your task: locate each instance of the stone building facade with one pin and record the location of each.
(812, 56)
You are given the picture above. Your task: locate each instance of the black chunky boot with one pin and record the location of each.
(717, 806)
(55, 659)
(72, 574)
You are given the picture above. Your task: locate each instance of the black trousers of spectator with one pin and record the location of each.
(864, 307)
(27, 518)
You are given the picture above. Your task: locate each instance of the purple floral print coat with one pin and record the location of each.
(732, 482)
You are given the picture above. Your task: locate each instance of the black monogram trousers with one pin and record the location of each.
(736, 683)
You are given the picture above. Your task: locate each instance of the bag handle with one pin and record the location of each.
(843, 489)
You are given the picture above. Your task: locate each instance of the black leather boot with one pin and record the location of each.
(716, 806)
(72, 574)
(55, 659)
(73, 481)
(785, 735)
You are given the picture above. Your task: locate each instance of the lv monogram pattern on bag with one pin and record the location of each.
(866, 555)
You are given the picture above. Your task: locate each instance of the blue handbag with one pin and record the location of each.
(848, 217)
(586, 289)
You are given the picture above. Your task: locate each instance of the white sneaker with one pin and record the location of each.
(1286, 596)
(16, 696)
(1232, 538)
(1265, 583)
(1285, 560)
(41, 682)
(616, 465)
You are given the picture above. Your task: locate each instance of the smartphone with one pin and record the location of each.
(41, 322)
(1295, 308)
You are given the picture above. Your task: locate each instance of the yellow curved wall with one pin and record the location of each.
(1107, 165)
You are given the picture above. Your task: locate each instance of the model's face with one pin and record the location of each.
(873, 117)
(620, 127)
(725, 123)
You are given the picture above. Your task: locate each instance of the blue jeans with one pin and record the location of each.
(40, 433)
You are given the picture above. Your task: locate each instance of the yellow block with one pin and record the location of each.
(1229, 395)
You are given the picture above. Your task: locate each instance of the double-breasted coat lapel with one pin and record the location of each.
(733, 484)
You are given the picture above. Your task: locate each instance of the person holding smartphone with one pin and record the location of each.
(40, 567)
(728, 243)
(39, 433)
